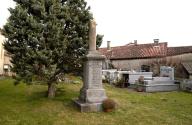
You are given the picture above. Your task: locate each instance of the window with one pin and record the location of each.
(145, 68)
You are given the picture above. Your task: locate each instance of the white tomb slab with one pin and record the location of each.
(134, 76)
(166, 71)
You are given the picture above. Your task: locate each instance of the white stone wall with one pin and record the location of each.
(133, 76)
(173, 61)
(190, 76)
(134, 64)
(1, 54)
(180, 58)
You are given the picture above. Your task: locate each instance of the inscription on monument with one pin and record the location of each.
(96, 94)
(96, 79)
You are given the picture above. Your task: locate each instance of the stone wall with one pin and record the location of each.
(134, 64)
(186, 85)
(180, 58)
(176, 61)
(190, 76)
(155, 63)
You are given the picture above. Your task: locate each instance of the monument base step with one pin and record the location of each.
(160, 87)
(88, 107)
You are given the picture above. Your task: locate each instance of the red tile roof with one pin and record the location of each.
(137, 51)
(188, 66)
(178, 50)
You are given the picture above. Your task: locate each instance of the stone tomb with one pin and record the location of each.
(165, 82)
(160, 84)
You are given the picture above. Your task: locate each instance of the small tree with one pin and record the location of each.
(47, 38)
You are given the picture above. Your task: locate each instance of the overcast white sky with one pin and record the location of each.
(123, 21)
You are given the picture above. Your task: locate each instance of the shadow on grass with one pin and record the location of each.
(67, 98)
(64, 95)
(37, 96)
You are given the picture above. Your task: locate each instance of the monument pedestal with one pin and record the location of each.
(92, 93)
(88, 107)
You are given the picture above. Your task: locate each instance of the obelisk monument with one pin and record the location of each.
(92, 93)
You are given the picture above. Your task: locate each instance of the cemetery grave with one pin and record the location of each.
(165, 82)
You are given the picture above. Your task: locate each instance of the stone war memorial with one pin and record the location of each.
(92, 93)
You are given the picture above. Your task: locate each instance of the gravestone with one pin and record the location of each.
(166, 71)
(92, 93)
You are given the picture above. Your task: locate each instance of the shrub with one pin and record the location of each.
(119, 83)
(109, 105)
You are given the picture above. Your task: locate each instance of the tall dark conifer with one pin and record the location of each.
(47, 38)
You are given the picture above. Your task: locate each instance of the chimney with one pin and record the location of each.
(156, 41)
(135, 42)
(108, 45)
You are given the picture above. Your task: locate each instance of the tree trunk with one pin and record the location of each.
(51, 90)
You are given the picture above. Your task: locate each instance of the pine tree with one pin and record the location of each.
(47, 38)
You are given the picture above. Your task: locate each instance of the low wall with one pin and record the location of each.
(186, 85)
(133, 76)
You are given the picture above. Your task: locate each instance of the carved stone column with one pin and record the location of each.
(92, 35)
(92, 93)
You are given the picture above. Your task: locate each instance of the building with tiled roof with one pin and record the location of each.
(136, 51)
(172, 51)
(188, 68)
(134, 56)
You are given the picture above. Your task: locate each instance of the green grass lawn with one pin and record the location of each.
(27, 105)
